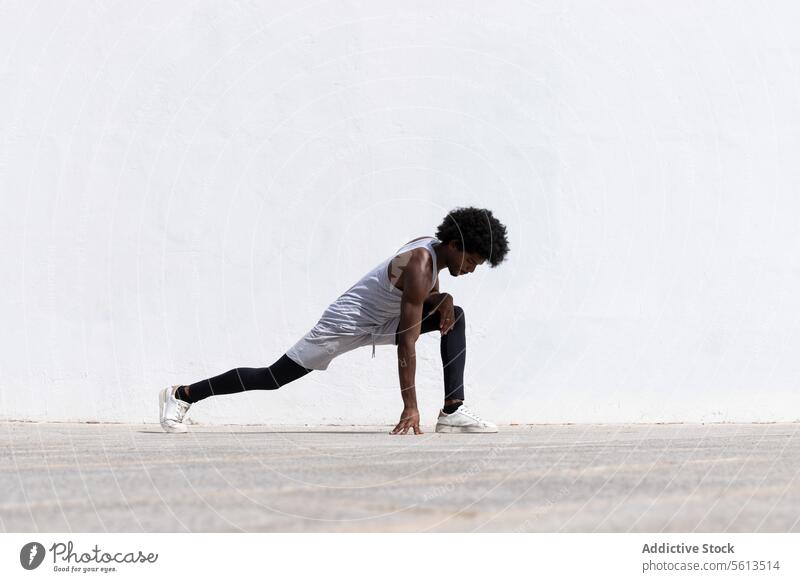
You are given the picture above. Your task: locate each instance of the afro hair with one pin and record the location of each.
(475, 230)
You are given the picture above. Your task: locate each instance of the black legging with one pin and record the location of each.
(453, 348)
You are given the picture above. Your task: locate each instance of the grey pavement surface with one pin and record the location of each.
(535, 478)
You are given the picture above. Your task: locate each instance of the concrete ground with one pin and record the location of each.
(542, 478)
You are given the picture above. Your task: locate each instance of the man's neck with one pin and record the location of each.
(439, 249)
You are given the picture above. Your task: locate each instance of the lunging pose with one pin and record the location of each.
(391, 305)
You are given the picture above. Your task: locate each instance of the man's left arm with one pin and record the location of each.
(432, 299)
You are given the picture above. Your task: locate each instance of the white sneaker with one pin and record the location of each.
(463, 420)
(171, 410)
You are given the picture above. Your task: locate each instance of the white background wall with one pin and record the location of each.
(187, 185)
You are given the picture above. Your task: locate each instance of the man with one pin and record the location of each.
(392, 304)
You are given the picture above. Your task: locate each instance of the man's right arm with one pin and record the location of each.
(415, 290)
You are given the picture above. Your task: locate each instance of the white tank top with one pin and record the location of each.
(373, 300)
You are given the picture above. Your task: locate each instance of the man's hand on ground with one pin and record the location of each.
(409, 419)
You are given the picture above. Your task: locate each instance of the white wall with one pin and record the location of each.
(187, 185)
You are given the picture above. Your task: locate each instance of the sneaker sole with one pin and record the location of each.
(464, 429)
(162, 399)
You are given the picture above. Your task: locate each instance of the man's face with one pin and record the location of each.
(463, 263)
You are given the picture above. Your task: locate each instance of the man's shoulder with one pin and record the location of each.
(420, 264)
(419, 252)
(413, 263)
(419, 238)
